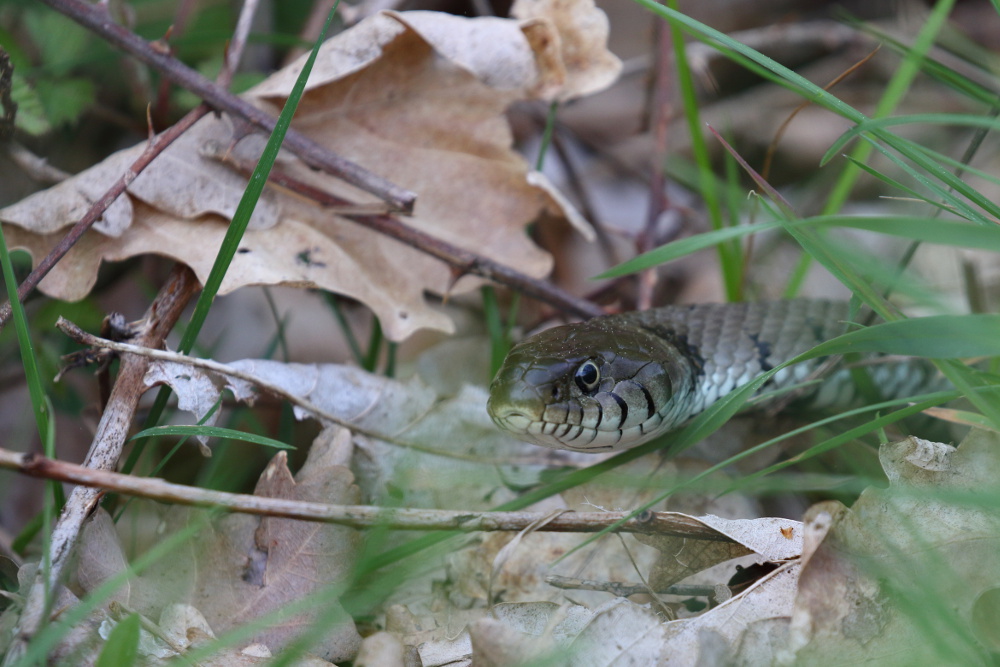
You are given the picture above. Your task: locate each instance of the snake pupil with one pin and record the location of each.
(587, 377)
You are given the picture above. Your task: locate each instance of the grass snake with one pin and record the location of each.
(617, 381)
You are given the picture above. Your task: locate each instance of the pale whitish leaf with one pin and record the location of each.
(196, 390)
(728, 624)
(619, 633)
(773, 539)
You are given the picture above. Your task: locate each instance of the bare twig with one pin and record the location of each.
(461, 260)
(35, 167)
(356, 516)
(624, 590)
(106, 448)
(95, 17)
(156, 146)
(237, 44)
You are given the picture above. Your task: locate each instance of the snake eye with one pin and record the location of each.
(587, 377)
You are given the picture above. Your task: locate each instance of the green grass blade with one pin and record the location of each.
(495, 328)
(122, 646)
(550, 126)
(947, 119)
(957, 205)
(730, 256)
(36, 391)
(933, 337)
(683, 247)
(957, 165)
(241, 218)
(915, 154)
(345, 327)
(897, 185)
(895, 90)
(930, 230)
(211, 432)
(936, 69)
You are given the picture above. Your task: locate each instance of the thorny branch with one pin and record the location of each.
(156, 146)
(461, 261)
(95, 17)
(356, 516)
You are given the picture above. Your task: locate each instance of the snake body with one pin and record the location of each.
(617, 381)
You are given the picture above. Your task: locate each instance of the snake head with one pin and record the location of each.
(594, 386)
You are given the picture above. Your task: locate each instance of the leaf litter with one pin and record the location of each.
(400, 92)
(417, 97)
(440, 451)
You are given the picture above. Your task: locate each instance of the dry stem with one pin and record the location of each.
(356, 516)
(106, 448)
(95, 17)
(461, 260)
(156, 146)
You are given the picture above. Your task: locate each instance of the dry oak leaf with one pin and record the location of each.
(417, 97)
(243, 567)
(909, 574)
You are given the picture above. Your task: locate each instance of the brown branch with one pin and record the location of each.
(624, 590)
(461, 260)
(156, 146)
(95, 17)
(106, 448)
(355, 516)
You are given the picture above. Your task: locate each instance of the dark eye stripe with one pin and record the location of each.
(624, 408)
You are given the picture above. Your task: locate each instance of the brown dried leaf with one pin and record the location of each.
(417, 97)
(907, 572)
(244, 567)
(580, 32)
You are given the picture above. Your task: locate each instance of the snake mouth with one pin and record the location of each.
(574, 437)
(512, 420)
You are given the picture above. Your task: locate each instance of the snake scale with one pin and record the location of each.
(617, 381)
